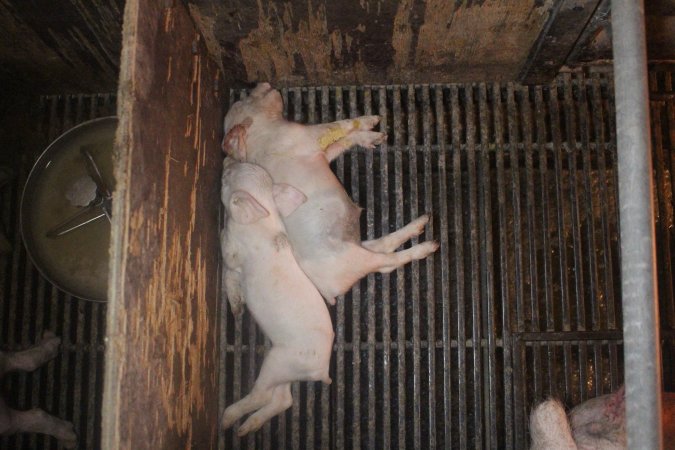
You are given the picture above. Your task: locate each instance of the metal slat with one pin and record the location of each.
(340, 387)
(504, 272)
(487, 271)
(370, 283)
(476, 331)
(430, 300)
(540, 111)
(578, 269)
(590, 242)
(531, 232)
(355, 297)
(459, 258)
(441, 137)
(565, 309)
(514, 137)
(400, 272)
(416, 401)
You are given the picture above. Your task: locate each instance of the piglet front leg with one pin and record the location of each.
(336, 137)
(34, 357)
(34, 420)
(38, 421)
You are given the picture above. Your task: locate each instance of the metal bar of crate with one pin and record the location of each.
(639, 290)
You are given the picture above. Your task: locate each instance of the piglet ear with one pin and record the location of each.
(234, 142)
(245, 209)
(287, 198)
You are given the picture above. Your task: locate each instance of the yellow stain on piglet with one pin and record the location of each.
(335, 134)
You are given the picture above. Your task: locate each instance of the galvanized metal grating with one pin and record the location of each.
(70, 386)
(521, 300)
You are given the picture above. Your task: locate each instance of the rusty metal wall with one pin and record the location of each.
(70, 386)
(521, 301)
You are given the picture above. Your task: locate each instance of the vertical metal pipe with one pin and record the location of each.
(638, 275)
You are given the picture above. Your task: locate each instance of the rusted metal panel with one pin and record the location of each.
(561, 32)
(367, 41)
(161, 360)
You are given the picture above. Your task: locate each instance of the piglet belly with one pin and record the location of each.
(322, 222)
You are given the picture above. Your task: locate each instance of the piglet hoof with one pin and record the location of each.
(237, 309)
(420, 223)
(50, 342)
(366, 122)
(427, 248)
(68, 438)
(369, 139)
(252, 424)
(331, 301)
(228, 420)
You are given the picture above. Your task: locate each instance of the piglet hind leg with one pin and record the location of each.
(392, 241)
(549, 428)
(38, 421)
(280, 367)
(355, 262)
(34, 357)
(386, 262)
(280, 401)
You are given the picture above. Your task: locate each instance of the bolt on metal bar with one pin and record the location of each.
(638, 273)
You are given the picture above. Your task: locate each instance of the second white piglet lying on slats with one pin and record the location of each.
(324, 232)
(261, 272)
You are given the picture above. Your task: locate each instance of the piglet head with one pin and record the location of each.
(249, 194)
(263, 105)
(243, 192)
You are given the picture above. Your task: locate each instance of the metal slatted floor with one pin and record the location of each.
(520, 302)
(70, 386)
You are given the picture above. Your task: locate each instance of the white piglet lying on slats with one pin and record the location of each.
(261, 271)
(324, 231)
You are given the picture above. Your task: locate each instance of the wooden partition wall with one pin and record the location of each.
(161, 358)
